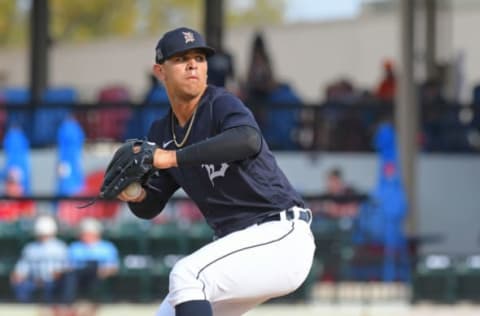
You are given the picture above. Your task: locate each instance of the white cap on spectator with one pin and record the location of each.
(45, 226)
(90, 225)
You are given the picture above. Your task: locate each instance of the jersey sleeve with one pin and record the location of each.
(230, 111)
(160, 188)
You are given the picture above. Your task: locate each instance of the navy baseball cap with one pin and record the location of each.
(180, 40)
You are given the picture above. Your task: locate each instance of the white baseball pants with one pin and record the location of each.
(243, 269)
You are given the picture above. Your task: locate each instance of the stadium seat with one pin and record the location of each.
(133, 282)
(332, 240)
(434, 279)
(17, 96)
(154, 107)
(476, 95)
(199, 234)
(109, 123)
(281, 120)
(468, 278)
(48, 116)
(12, 240)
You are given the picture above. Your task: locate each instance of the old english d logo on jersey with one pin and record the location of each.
(212, 173)
(188, 36)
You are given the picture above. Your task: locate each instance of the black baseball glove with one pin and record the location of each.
(132, 162)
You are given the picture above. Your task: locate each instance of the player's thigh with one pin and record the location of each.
(262, 261)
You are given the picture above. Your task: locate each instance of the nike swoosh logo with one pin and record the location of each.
(165, 144)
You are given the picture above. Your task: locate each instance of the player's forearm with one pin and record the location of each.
(164, 159)
(235, 144)
(149, 207)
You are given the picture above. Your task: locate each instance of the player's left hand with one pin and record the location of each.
(132, 162)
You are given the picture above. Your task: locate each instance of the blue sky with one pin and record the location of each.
(314, 10)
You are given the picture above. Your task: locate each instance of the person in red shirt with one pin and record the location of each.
(11, 209)
(386, 89)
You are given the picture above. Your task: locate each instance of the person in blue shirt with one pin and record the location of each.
(92, 260)
(210, 145)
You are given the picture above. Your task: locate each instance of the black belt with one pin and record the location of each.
(304, 215)
(290, 214)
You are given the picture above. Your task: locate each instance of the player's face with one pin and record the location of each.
(185, 74)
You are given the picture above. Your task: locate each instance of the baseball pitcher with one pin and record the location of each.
(210, 145)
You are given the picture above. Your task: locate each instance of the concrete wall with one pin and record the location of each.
(448, 186)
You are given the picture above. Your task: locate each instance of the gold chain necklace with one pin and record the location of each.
(188, 130)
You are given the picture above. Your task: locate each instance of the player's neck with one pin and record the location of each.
(183, 112)
(183, 109)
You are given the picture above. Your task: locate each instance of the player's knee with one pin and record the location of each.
(185, 285)
(181, 272)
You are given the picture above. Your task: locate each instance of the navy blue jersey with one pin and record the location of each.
(227, 194)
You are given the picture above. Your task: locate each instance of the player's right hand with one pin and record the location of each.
(125, 197)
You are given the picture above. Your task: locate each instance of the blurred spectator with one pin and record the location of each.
(271, 102)
(431, 93)
(386, 89)
(93, 260)
(41, 268)
(70, 140)
(476, 95)
(57, 103)
(13, 210)
(335, 114)
(341, 91)
(281, 120)
(154, 105)
(337, 201)
(220, 69)
(155, 91)
(260, 79)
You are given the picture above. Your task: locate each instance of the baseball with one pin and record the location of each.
(133, 190)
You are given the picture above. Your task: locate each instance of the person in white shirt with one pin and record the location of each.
(38, 274)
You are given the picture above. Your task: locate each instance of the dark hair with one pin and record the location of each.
(335, 172)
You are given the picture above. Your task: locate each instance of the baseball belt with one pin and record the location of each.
(290, 214)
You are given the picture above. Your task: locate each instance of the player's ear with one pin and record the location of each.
(158, 71)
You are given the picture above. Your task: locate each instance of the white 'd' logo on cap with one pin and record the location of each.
(188, 37)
